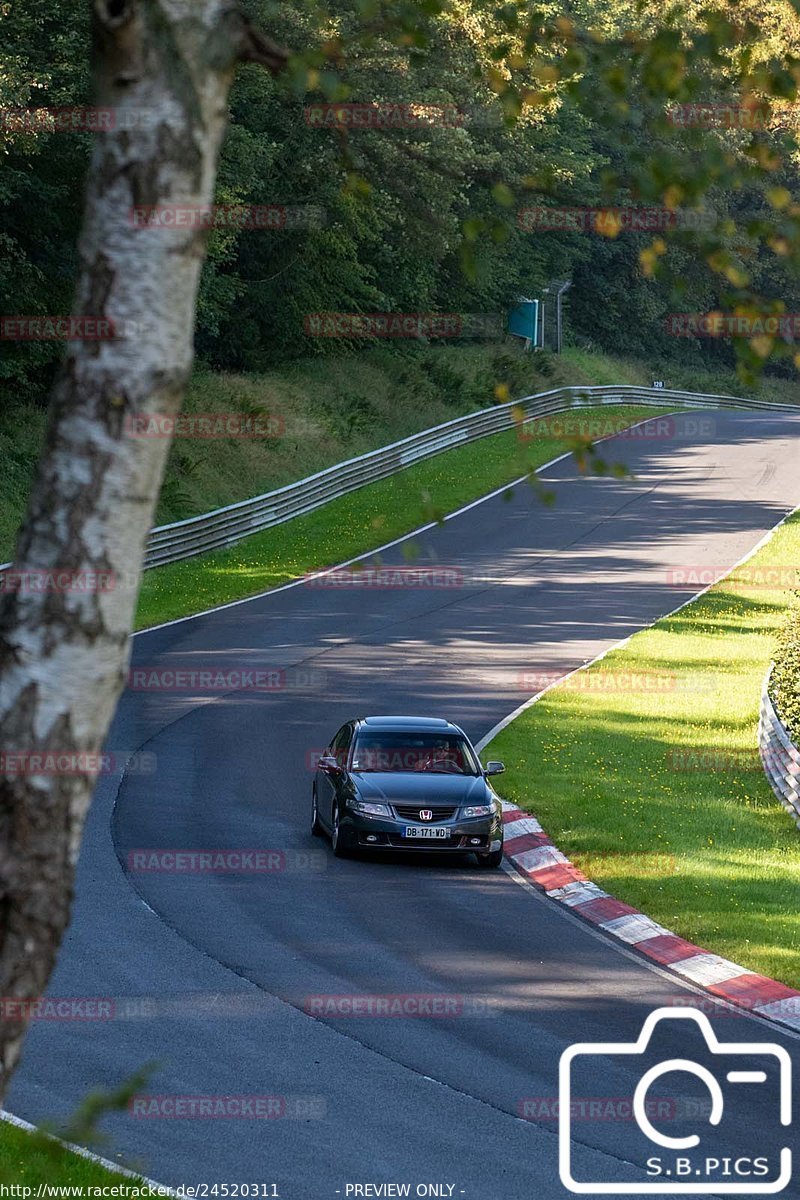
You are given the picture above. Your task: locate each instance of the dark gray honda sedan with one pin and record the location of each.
(407, 783)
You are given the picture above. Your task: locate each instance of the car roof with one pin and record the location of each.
(409, 723)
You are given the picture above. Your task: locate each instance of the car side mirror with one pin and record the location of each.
(494, 768)
(327, 762)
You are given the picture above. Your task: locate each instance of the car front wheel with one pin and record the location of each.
(337, 842)
(316, 825)
(490, 862)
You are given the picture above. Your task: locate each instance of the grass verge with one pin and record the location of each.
(30, 1159)
(331, 409)
(644, 770)
(357, 523)
(334, 408)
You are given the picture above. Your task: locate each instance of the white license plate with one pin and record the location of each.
(425, 831)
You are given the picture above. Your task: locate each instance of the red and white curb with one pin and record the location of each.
(540, 862)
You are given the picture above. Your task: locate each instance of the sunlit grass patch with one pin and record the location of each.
(30, 1159)
(668, 773)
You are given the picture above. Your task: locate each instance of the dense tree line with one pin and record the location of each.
(436, 209)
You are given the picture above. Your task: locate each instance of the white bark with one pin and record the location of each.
(63, 656)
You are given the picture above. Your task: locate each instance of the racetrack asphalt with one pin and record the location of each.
(213, 974)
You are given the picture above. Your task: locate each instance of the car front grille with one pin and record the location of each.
(410, 812)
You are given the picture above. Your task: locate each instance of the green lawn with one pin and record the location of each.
(702, 846)
(362, 521)
(29, 1159)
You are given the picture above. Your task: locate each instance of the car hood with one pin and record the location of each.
(425, 786)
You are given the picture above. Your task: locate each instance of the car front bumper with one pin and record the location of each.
(475, 834)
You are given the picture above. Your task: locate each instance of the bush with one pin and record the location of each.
(450, 383)
(348, 414)
(784, 685)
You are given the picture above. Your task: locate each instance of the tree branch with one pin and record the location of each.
(254, 46)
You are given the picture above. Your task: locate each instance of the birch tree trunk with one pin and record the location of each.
(164, 68)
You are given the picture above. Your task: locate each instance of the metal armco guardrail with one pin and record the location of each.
(225, 526)
(779, 756)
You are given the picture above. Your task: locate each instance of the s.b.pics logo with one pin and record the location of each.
(729, 1106)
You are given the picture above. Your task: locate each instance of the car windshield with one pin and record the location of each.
(445, 754)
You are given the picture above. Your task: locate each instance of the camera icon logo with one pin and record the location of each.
(684, 1166)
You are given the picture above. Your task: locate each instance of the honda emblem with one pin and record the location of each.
(425, 814)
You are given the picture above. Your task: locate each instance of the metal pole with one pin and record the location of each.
(564, 288)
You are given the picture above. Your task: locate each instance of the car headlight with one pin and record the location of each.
(478, 810)
(369, 810)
